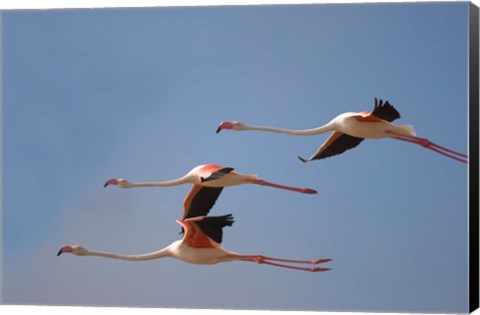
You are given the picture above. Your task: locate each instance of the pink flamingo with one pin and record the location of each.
(209, 175)
(349, 129)
(201, 243)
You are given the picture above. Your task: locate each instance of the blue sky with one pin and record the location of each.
(138, 93)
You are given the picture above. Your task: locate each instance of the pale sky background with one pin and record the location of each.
(138, 93)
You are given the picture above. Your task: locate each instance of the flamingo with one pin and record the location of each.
(201, 243)
(209, 175)
(351, 128)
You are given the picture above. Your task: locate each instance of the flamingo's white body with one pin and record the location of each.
(201, 241)
(358, 125)
(199, 256)
(351, 128)
(209, 175)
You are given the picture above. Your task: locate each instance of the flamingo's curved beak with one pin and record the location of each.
(65, 249)
(227, 125)
(111, 181)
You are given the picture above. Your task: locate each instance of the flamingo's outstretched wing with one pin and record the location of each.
(217, 174)
(200, 200)
(336, 144)
(212, 226)
(385, 111)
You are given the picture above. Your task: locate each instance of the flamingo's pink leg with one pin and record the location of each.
(311, 269)
(298, 261)
(259, 259)
(432, 146)
(300, 190)
(427, 143)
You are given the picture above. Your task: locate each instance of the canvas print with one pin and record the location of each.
(275, 157)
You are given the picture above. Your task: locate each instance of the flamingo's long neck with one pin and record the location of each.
(305, 132)
(179, 181)
(149, 256)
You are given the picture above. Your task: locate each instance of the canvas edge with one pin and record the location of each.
(473, 153)
(1, 157)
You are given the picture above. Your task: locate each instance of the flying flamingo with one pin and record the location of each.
(349, 129)
(201, 242)
(209, 175)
